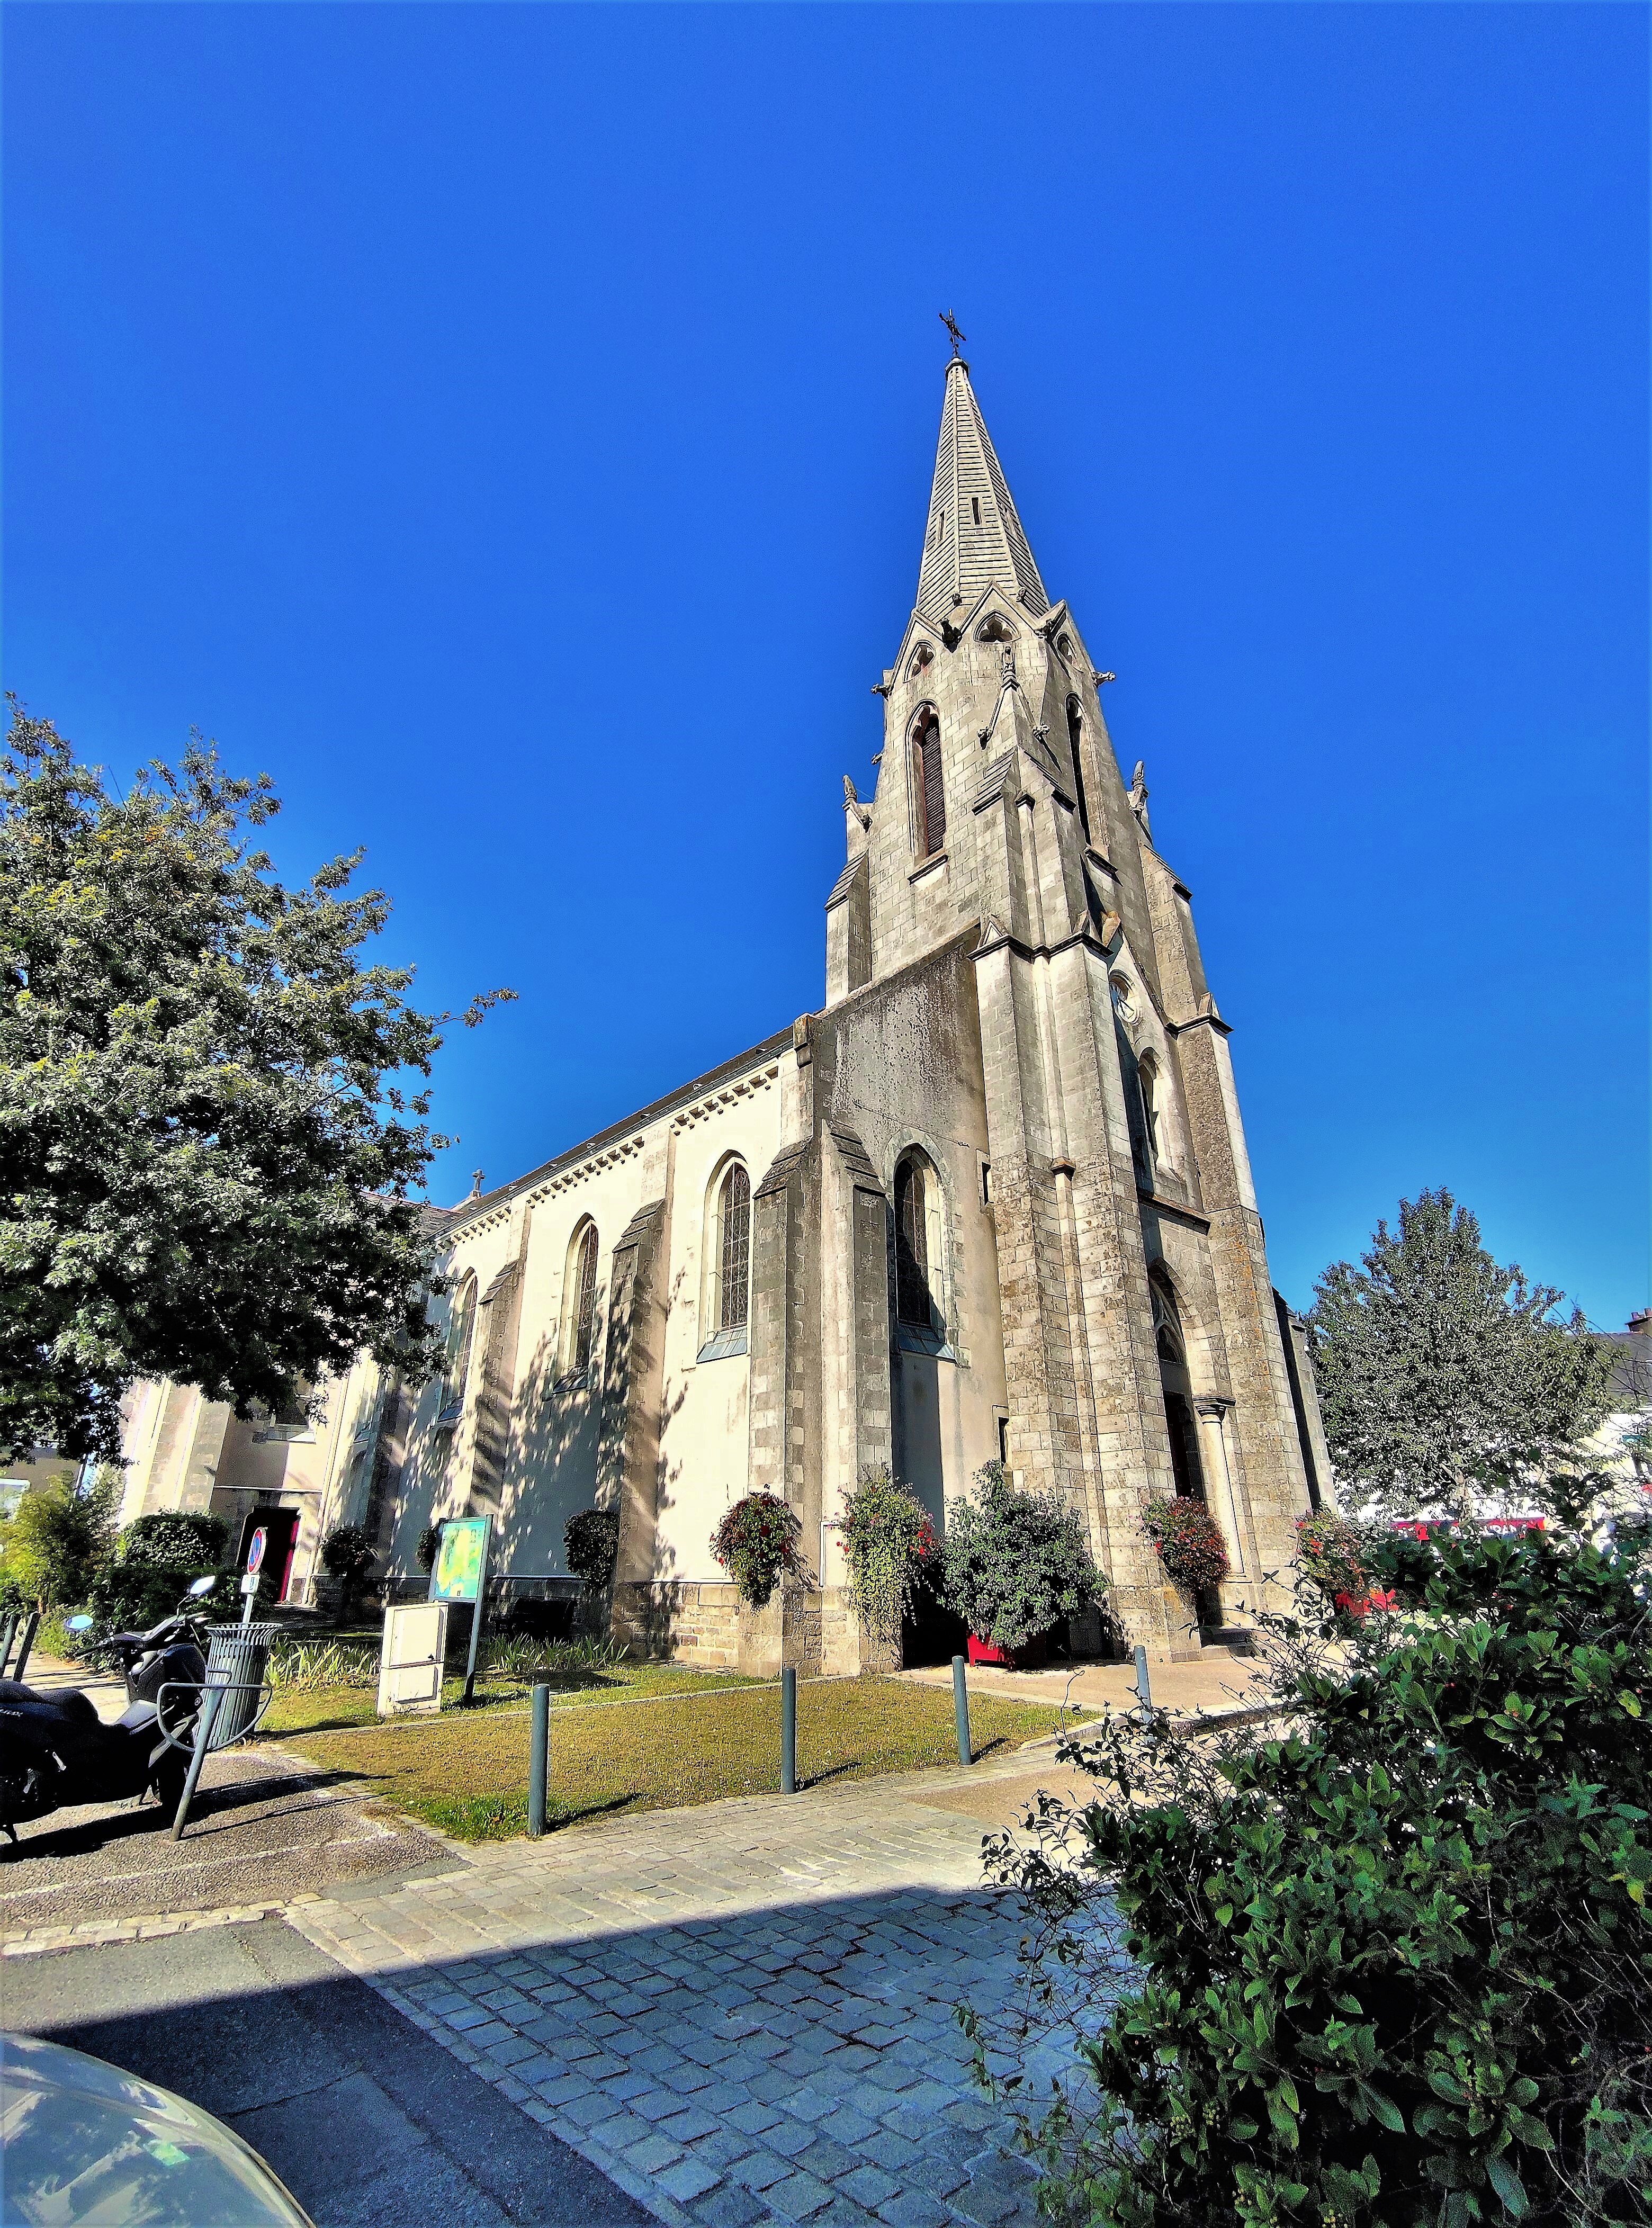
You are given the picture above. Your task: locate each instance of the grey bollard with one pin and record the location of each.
(8, 1634)
(539, 1762)
(961, 1710)
(29, 1625)
(788, 1731)
(1143, 1686)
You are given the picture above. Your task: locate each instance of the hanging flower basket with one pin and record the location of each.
(757, 1545)
(1191, 1547)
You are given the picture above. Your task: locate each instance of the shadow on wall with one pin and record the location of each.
(556, 1424)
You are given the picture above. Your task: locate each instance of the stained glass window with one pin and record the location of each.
(735, 1283)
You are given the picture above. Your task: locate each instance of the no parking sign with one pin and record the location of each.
(255, 1547)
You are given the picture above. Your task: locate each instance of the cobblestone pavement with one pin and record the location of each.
(741, 2013)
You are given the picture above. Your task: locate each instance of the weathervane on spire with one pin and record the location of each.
(951, 324)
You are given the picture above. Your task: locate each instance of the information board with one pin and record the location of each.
(461, 1560)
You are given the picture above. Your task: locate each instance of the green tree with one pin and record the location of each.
(62, 1532)
(1441, 1374)
(206, 1166)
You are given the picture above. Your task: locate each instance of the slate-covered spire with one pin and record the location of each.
(974, 540)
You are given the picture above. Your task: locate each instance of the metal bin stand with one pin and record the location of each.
(238, 1657)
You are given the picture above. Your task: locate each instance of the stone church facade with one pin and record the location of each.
(991, 1199)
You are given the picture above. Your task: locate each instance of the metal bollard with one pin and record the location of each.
(961, 1710)
(788, 1731)
(209, 1702)
(1144, 1687)
(539, 1762)
(8, 1634)
(29, 1625)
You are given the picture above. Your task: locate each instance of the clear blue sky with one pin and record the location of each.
(510, 427)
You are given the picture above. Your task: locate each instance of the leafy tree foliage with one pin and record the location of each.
(206, 1164)
(63, 1531)
(1441, 1374)
(1393, 1969)
(1016, 1562)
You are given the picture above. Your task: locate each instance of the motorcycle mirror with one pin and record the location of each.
(199, 1586)
(77, 1625)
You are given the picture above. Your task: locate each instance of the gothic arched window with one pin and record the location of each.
(916, 1242)
(929, 794)
(1075, 739)
(1147, 1078)
(456, 1361)
(725, 1255)
(734, 1250)
(580, 1301)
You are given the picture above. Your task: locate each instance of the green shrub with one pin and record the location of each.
(346, 1553)
(590, 1543)
(757, 1543)
(1016, 1562)
(60, 1535)
(1190, 1544)
(1392, 1968)
(130, 1598)
(430, 1546)
(887, 1539)
(175, 1540)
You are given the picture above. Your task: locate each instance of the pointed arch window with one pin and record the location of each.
(920, 1321)
(1075, 743)
(929, 793)
(1146, 1081)
(728, 1308)
(580, 1301)
(456, 1364)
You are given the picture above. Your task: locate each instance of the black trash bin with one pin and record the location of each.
(238, 1657)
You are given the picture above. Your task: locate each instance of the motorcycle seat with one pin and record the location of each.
(69, 1703)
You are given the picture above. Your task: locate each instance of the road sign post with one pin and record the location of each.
(255, 1547)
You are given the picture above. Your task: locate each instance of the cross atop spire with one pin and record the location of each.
(974, 540)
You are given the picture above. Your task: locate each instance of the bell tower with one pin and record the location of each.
(1141, 1350)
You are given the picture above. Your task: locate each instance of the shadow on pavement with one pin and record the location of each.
(366, 2120)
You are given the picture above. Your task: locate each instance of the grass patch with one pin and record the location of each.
(325, 1708)
(467, 1774)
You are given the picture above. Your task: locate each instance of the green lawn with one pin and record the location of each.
(466, 1772)
(329, 1708)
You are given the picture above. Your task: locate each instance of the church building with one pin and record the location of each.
(990, 1201)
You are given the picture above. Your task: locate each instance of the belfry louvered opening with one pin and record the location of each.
(929, 793)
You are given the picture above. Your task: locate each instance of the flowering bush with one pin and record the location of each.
(887, 1539)
(757, 1543)
(1191, 1548)
(1332, 1555)
(1016, 1562)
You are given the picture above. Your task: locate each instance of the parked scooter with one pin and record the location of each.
(55, 1753)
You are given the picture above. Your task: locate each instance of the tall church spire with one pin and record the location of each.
(974, 540)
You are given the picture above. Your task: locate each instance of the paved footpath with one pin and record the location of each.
(741, 2013)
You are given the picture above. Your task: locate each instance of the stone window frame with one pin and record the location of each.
(575, 1325)
(721, 1340)
(460, 1347)
(922, 716)
(942, 1339)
